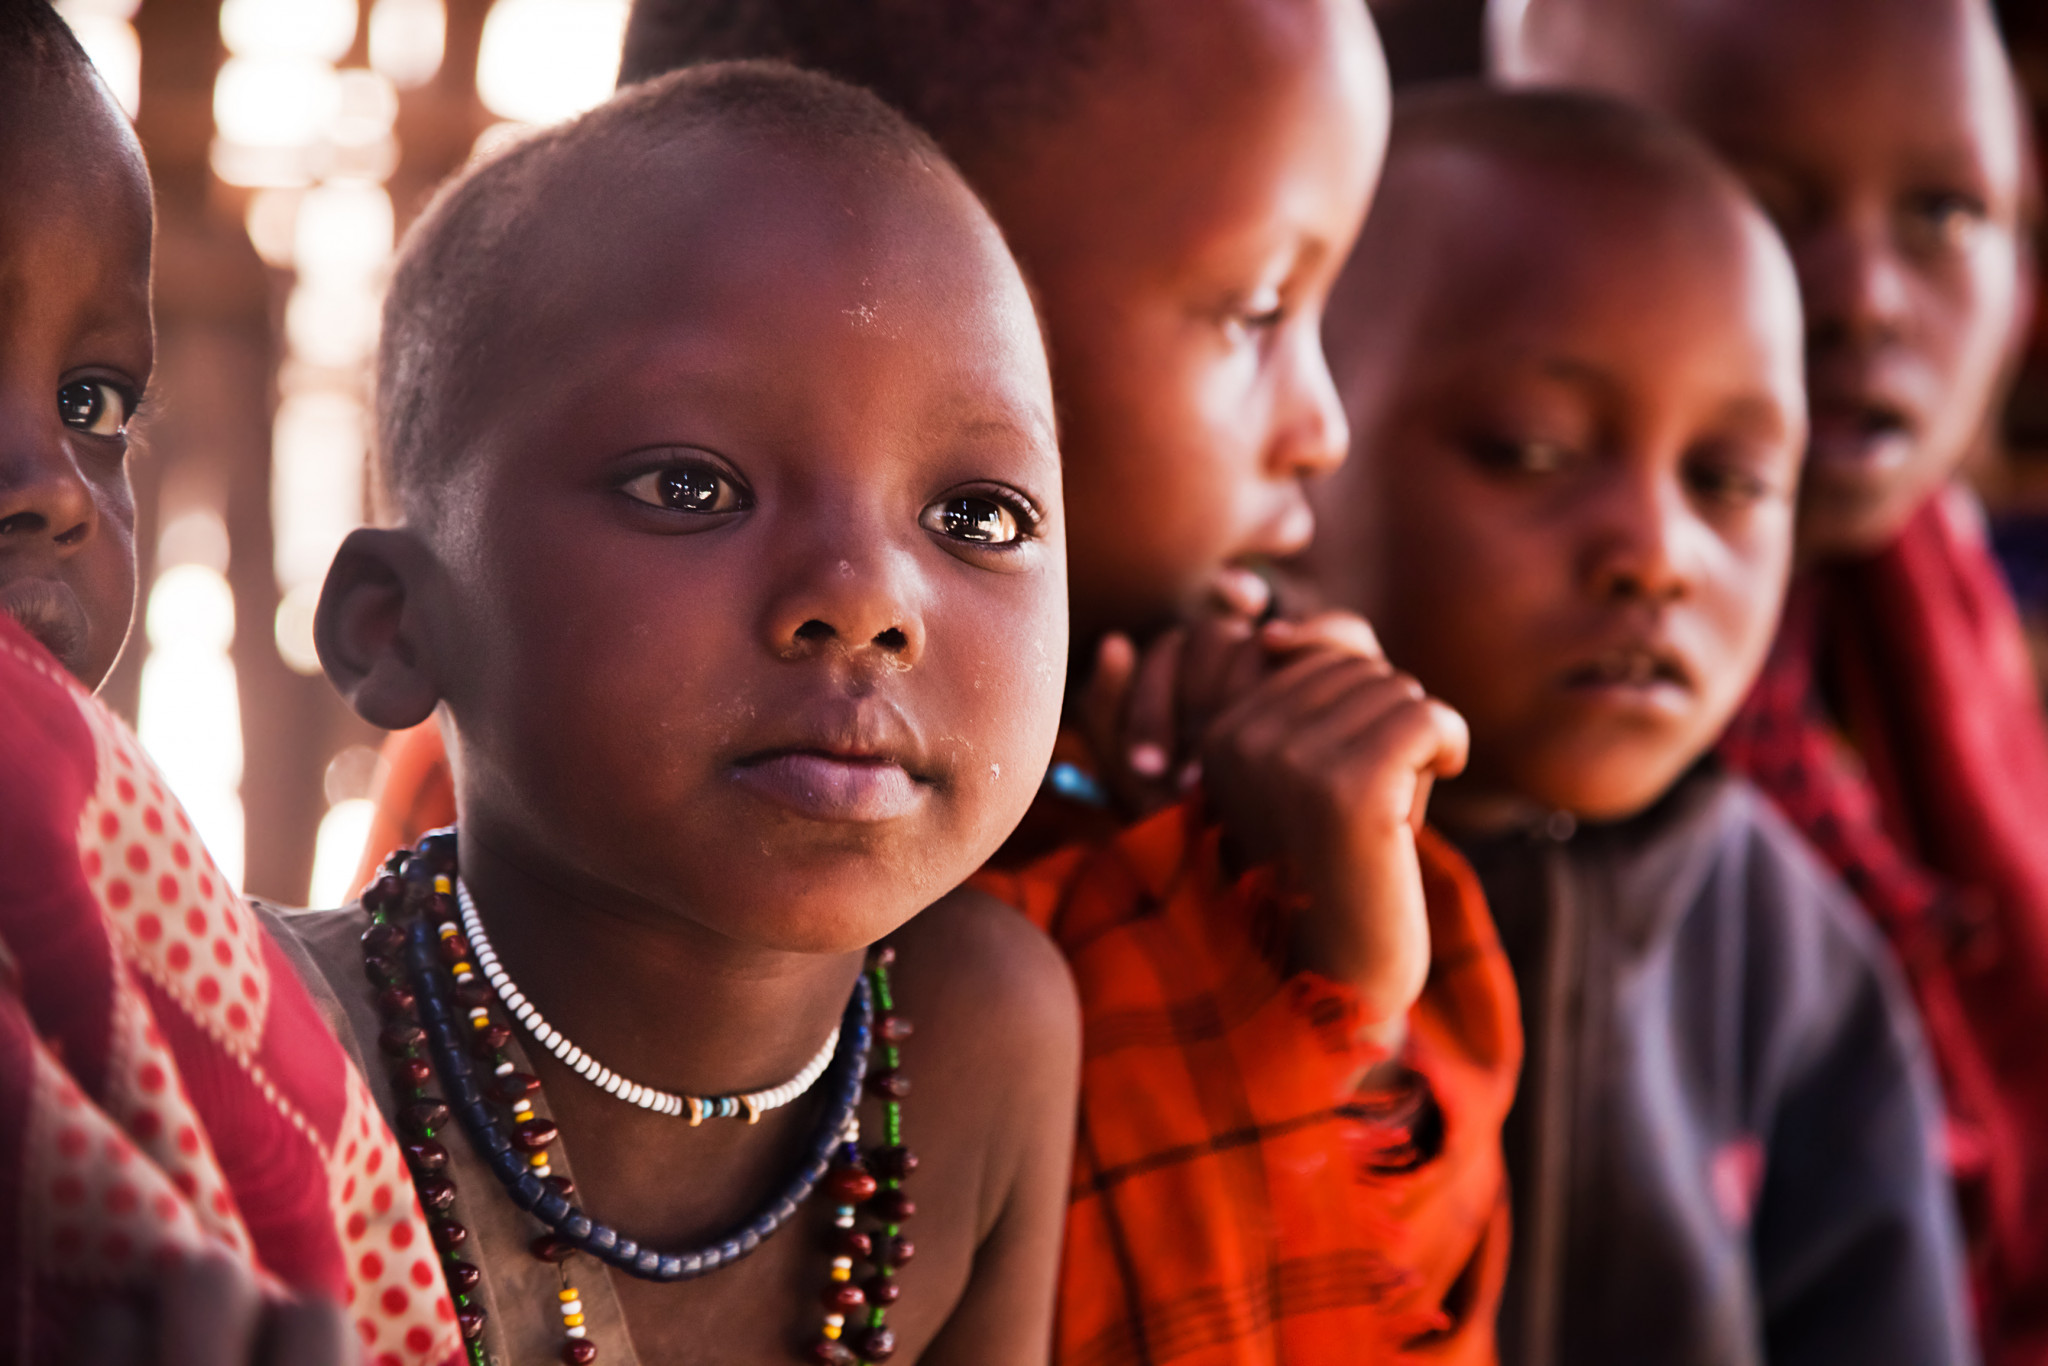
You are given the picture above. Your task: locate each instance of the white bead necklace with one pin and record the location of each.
(753, 1105)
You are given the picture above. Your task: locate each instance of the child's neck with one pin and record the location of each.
(652, 994)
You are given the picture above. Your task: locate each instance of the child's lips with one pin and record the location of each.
(1635, 674)
(1855, 436)
(52, 613)
(851, 788)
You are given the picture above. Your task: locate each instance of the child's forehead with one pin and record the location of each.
(1513, 260)
(1912, 80)
(67, 153)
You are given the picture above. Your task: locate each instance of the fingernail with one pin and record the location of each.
(1148, 760)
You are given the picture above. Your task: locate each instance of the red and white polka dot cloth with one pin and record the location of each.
(166, 1084)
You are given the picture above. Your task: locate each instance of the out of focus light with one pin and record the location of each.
(272, 219)
(196, 536)
(335, 326)
(283, 167)
(338, 849)
(316, 482)
(275, 101)
(343, 230)
(294, 629)
(103, 30)
(190, 715)
(542, 61)
(369, 106)
(407, 38)
(315, 30)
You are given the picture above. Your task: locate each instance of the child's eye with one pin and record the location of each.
(973, 517)
(1511, 456)
(688, 488)
(1943, 218)
(1256, 316)
(96, 407)
(1729, 485)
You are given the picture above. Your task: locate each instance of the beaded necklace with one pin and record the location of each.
(415, 954)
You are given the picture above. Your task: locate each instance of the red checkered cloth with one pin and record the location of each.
(1238, 1200)
(166, 1085)
(1923, 779)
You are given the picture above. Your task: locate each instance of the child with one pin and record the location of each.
(727, 543)
(1570, 348)
(179, 1136)
(1897, 722)
(1181, 184)
(76, 341)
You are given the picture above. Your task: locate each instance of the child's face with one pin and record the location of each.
(1883, 137)
(1578, 421)
(76, 349)
(757, 607)
(1183, 222)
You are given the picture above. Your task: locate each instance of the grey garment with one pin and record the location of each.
(520, 1294)
(1726, 1145)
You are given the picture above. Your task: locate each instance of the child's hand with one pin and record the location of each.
(209, 1311)
(1324, 766)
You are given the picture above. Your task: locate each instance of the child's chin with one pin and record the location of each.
(1612, 787)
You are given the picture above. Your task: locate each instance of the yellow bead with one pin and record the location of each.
(842, 1273)
(572, 1320)
(480, 1022)
(447, 931)
(568, 1294)
(539, 1159)
(461, 968)
(831, 1330)
(443, 885)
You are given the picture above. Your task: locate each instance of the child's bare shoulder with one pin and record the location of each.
(998, 1037)
(973, 954)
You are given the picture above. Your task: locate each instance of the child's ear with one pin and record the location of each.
(369, 627)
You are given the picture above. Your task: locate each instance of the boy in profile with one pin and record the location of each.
(1570, 347)
(1181, 185)
(1897, 723)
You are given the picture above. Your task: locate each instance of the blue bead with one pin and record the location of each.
(648, 1263)
(626, 1251)
(601, 1238)
(671, 1268)
(552, 1206)
(576, 1226)
(493, 1142)
(508, 1166)
(527, 1191)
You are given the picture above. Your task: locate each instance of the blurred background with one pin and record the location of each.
(292, 141)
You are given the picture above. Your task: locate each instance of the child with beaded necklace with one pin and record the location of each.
(726, 543)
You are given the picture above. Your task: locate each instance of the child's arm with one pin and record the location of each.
(1003, 996)
(1315, 754)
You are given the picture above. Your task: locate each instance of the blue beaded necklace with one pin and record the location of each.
(414, 952)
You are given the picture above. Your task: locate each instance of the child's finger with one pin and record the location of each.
(1342, 631)
(208, 1311)
(113, 1334)
(1148, 731)
(310, 1333)
(1210, 661)
(1107, 693)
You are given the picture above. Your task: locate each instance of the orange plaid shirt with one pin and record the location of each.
(1238, 1199)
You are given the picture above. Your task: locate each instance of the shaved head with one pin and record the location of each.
(483, 264)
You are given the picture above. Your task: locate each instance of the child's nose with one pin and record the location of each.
(1853, 281)
(857, 603)
(1640, 546)
(1313, 434)
(46, 506)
